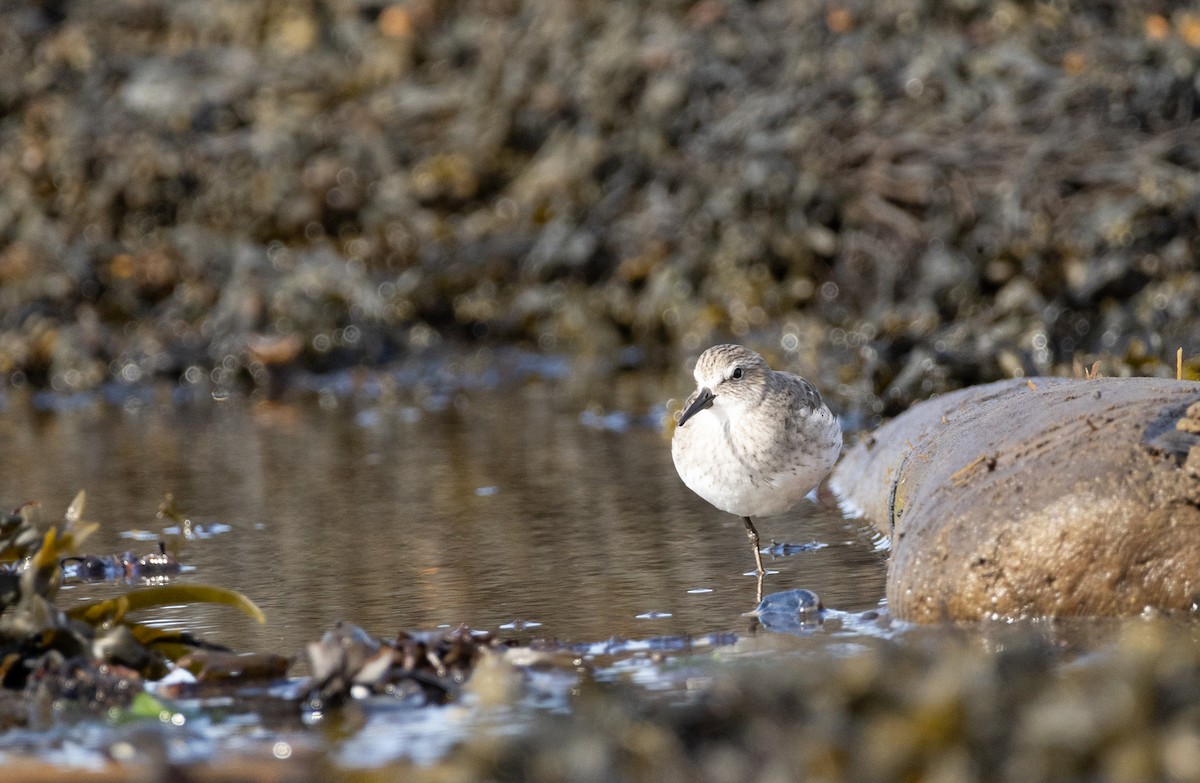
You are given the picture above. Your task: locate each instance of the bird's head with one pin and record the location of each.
(726, 375)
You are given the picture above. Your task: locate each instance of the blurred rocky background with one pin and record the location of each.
(895, 197)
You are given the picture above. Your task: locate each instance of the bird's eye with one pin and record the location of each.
(736, 374)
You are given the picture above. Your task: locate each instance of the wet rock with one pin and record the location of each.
(793, 611)
(1039, 497)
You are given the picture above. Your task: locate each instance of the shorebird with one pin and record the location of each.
(753, 441)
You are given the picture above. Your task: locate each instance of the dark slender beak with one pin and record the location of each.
(704, 399)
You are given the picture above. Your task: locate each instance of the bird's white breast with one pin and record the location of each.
(737, 461)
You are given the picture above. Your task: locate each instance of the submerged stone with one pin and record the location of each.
(1039, 497)
(790, 611)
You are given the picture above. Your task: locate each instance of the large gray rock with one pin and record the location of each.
(1040, 497)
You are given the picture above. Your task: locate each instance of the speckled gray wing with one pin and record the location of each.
(794, 410)
(803, 428)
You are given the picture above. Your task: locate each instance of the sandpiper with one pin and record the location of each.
(751, 440)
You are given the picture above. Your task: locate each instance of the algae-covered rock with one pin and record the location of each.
(1037, 497)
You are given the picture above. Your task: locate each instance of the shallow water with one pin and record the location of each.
(531, 502)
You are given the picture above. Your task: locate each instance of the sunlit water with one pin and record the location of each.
(529, 503)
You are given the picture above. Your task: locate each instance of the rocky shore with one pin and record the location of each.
(897, 199)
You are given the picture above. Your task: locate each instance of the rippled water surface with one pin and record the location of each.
(530, 502)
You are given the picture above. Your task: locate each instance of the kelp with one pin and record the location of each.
(115, 609)
(100, 632)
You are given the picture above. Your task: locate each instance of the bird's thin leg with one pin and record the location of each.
(752, 534)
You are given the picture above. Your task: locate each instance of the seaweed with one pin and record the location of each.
(41, 641)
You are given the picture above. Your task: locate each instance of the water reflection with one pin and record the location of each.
(505, 505)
